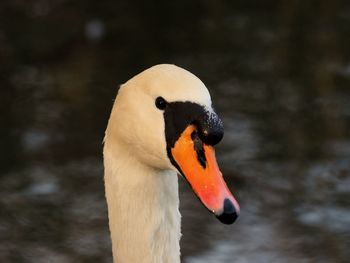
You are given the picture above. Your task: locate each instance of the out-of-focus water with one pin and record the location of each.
(279, 74)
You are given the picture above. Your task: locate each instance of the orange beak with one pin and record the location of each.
(197, 163)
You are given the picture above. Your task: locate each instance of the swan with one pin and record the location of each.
(162, 124)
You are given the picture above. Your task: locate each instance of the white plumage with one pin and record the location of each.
(140, 181)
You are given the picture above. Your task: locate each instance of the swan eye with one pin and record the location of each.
(160, 103)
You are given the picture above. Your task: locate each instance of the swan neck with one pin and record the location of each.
(143, 205)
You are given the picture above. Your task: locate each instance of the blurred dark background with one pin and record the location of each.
(279, 75)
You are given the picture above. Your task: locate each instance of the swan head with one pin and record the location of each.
(164, 118)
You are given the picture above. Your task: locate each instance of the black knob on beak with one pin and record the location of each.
(210, 128)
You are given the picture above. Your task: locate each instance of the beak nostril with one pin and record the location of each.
(194, 134)
(198, 147)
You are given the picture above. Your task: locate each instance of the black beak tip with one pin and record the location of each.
(229, 214)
